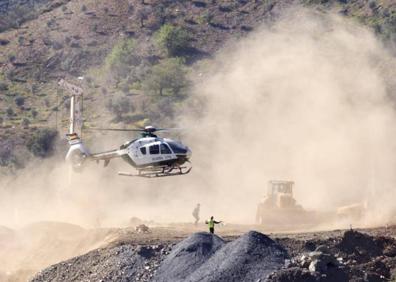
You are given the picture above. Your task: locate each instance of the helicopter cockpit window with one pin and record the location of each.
(177, 148)
(154, 149)
(143, 150)
(165, 149)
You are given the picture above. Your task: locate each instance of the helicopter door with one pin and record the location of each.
(154, 151)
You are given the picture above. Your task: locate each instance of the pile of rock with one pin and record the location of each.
(318, 265)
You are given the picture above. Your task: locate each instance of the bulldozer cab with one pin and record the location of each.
(276, 187)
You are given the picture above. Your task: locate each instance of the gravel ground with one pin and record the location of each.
(173, 255)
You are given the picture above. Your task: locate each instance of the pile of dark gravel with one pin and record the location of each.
(205, 257)
(200, 257)
(187, 256)
(121, 263)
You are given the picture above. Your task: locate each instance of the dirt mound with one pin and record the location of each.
(251, 257)
(122, 263)
(187, 256)
(359, 246)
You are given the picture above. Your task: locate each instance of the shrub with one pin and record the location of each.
(19, 101)
(21, 40)
(174, 40)
(169, 76)
(121, 52)
(83, 8)
(41, 143)
(142, 15)
(34, 113)
(3, 86)
(122, 57)
(119, 107)
(25, 123)
(10, 112)
(11, 57)
(372, 4)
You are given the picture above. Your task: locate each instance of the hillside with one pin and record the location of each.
(122, 50)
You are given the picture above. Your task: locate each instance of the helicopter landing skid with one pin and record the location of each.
(165, 171)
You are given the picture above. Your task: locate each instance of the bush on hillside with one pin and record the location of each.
(119, 107)
(41, 143)
(10, 112)
(18, 15)
(3, 86)
(19, 101)
(174, 40)
(122, 57)
(25, 123)
(166, 78)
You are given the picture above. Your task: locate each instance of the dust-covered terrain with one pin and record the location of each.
(181, 253)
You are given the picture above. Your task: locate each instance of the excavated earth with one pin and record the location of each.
(177, 253)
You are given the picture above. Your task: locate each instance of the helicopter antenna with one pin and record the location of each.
(76, 93)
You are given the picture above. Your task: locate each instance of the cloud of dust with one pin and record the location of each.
(304, 99)
(307, 100)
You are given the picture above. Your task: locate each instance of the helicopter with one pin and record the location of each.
(150, 155)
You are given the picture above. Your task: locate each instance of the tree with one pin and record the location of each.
(174, 40)
(142, 15)
(122, 57)
(167, 76)
(119, 106)
(42, 142)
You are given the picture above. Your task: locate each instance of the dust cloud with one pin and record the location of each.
(304, 99)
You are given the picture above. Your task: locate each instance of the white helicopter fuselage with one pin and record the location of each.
(149, 151)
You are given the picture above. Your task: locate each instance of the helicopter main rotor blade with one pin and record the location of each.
(168, 129)
(113, 129)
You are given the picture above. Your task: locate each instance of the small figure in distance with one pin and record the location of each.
(212, 223)
(195, 214)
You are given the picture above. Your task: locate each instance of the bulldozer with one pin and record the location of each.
(278, 208)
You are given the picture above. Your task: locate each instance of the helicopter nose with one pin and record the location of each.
(189, 153)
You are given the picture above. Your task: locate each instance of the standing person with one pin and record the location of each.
(212, 223)
(195, 213)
